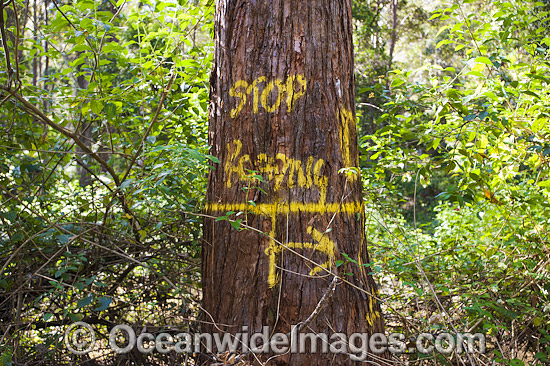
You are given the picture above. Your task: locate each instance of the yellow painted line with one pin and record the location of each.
(347, 123)
(268, 209)
(324, 245)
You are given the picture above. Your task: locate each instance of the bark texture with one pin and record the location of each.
(282, 108)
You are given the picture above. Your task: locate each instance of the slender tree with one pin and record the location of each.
(282, 124)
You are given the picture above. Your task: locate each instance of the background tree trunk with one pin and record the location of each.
(282, 108)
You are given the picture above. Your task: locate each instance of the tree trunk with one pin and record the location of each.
(282, 123)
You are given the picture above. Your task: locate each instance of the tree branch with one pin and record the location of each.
(5, 40)
(38, 113)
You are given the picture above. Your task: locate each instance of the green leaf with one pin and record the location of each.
(539, 77)
(85, 301)
(475, 73)
(17, 236)
(533, 94)
(104, 303)
(484, 60)
(348, 258)
(375, 155)
(59, 272)
(470, 117)
(81, 48)
(96, 106)
(443, 42)
(236, 224)
(63, 238)
(87, 24)
(56, 284)
(126, 183)
(11, 216)
(110, 110)
(396, 82)
(75, 317)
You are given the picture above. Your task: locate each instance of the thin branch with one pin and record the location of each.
(153, 122)
(5, 41)
(38, 113)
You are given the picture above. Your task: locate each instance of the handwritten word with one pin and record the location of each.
(323, 244)
(241, 89)
(275, 169)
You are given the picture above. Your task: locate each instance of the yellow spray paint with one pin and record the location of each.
(232, 165)
(272, 277)
(254, 87)
(281, 90)
(322, 244)
(269, 166)
(281, 208)
(234, 92)
(320, 181)
(303, 174)
(294, 88)
(347, 123)
(372, 315)
(292, 93)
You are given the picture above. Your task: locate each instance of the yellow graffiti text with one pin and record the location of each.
(302, 174)
(290, 90)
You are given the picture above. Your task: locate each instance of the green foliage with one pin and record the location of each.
(103, 156)
(464, 145)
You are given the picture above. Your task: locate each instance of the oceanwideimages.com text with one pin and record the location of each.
(80, 339)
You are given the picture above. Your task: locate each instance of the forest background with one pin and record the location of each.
(104, 158)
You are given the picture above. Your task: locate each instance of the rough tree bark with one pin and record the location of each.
(282, 123)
